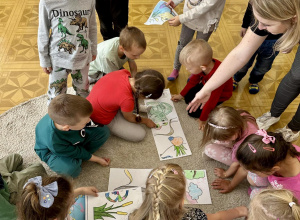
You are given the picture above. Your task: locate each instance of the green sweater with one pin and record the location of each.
(50, 140)
(7, 210)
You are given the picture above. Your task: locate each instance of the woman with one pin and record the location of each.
(275, 17)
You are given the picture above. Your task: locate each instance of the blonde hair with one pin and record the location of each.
(274, 204)
(224, 122)
(165, 190)
(197, 52)
(282, 11)
(130, 36)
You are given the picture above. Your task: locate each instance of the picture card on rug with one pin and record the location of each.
(160, 14)
(113, 205)
(197, 189)
(168, 135)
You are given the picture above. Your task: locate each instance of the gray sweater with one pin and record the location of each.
(67, 34)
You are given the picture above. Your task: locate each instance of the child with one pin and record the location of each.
(114, 53)
(225, 130)
(277, 204)
(66, 135)
(200, 16)
(70, 45)
(113, 98)
(265, 56)
(268, 155)
(12, 180)
(51, 198)
(164, 198)
(197, 57)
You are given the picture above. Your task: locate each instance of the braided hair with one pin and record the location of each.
(165, 190)
(150, 84)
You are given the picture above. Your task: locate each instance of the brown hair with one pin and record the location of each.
(235, 122)
(196, 51)
(29, 206)
(274, 204)
(264, 160)
(165, 191)
(130, 36)
(67, 109)
(148, 83)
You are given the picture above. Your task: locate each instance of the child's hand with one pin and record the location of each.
(94, 57)
(224, 186)
(103, 161)
(149, 123)
(171, 3)
(174, 21)
(219, 172)
(176, 98)
(47, 70)
(201, 124)
(242, 210)
(90, 190)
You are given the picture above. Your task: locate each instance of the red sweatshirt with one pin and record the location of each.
(221, 94)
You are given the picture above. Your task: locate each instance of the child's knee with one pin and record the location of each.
(139, 136)
(66, 166)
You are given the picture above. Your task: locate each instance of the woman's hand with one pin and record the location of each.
(200, 99)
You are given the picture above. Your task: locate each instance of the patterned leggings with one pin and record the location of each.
(219, 151)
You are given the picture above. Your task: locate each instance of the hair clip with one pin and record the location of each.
(269, 148)
(252, 148)
(46, 193)
(291, 204)
(266, 138)
(175, 171)
(220, 127)
(148, 96)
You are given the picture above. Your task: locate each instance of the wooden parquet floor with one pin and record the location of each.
(21, 77)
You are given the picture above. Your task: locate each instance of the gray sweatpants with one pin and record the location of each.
(287, 91)
(124, 129)
(58, 82)
(186, 36)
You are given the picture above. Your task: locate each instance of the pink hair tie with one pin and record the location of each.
(252, 148)
(266, 138)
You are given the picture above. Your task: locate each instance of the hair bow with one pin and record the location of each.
(46, 193)
(266, 138)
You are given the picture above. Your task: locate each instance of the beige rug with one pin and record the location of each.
(17, 135)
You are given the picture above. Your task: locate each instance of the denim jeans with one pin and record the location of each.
(265, 56)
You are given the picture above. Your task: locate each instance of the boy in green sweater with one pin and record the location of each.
(66, 136)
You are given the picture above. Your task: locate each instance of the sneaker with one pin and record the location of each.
(235, 84)
(173, 75)
(266, 120)
(144, 108)
(288, 134)
(253, 88)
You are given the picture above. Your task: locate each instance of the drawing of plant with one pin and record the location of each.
(159, 111)
(118, 198)
(103, 211)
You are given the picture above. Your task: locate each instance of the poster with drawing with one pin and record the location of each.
(168, 135)
(197, 190)
(113, 205)
(160, 14)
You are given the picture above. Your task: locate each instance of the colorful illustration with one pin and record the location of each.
(160, 14)
(80, 22)
(58, 85)
(83, 43)
(104, 208)
(168, 128)
(66, 45)
(62, 29)
(77, 210)
(197, 190)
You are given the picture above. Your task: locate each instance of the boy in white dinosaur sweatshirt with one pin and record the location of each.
(70, 45)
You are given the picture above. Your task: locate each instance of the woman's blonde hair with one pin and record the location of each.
(282, 11)
(224, 122)
(165, 190)
(274, 204)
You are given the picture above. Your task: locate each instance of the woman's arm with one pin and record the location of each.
(234, 61)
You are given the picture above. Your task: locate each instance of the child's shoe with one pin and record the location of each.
(288, 134)
(235, 84)
(253, 88)
(266, 120)
(173, 75)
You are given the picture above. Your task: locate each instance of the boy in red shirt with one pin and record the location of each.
(197, 57)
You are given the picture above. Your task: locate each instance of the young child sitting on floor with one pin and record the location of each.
(52, 198)
(270, 159)
(225, 130)
(197, 56)
(164, 198)
(274, 204)
(114, 53)
(66, 136)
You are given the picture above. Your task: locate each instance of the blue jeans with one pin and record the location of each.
(265, 56)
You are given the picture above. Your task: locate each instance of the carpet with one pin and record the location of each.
(17, 135)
